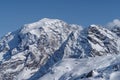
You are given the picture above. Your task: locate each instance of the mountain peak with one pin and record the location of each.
(48, 19)
(44, 23)
(31, 52)
(93, 25)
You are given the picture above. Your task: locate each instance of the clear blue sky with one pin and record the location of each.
(16, 13)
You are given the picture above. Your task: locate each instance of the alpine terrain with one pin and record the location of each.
(51, 49)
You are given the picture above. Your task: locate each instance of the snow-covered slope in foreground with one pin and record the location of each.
(97, 68)
(31, 52)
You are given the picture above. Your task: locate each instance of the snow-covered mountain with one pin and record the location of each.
(51, 49)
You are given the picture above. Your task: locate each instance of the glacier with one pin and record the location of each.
(51, 49)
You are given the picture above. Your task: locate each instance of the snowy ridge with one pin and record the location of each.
(103, 41)
(52, 49)
(83, 69)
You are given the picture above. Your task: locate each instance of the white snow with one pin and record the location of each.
(1, 55)
(76, 67)
(104, 31)
(35, 32)
(41, 23)
(115, 76)
(97, 47)
(19, 56)
(19, 67)
(38, 41)
(26, 74)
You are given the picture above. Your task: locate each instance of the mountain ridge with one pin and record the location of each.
(31, 51)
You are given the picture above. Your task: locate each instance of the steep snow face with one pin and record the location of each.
(29, 53)
(95, 68)
(103, 41)
(38, 45)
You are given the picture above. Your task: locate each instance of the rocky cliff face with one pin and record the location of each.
(103, 41)
(30, 52)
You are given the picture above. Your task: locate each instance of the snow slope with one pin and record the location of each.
(52, 49)
(97, 68)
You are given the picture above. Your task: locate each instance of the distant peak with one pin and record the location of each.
(45, 23)
(93, 25)
(45, 19)
(49, 20)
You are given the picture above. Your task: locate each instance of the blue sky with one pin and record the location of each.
(16, 13)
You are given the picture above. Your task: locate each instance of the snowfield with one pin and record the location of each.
(115, 76)
(51, 49)
(97, 68)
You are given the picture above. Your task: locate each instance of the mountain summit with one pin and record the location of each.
(51, 49)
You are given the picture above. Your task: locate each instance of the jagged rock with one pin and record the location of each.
(30, 52)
